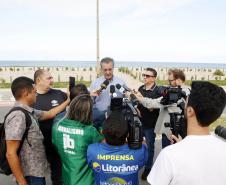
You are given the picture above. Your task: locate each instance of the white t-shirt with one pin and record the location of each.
(196, 160)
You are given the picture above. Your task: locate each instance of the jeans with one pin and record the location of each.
(55, 164)
(165, 141)
(98, 118)
(31, 180)
(150, 139)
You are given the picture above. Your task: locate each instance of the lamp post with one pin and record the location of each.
(97, 41)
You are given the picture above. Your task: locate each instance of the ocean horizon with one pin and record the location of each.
(62, 63)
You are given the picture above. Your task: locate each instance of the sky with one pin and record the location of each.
(130, 30)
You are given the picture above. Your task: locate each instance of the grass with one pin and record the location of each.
(221, 121)
(87, 83)
(65, 84)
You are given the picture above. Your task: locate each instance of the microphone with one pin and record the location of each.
(102, 86)
(112, 91)
(120, 88)
(123, 88)
(134, 99)
(126, 88)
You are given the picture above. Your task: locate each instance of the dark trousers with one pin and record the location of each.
(150, 139)
(98, 118)
(165, 141)
(55, 164)
(31, 180)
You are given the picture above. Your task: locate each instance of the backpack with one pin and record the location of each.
(4, 166)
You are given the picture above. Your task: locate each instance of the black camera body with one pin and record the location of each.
(172, 95)
(135, 135)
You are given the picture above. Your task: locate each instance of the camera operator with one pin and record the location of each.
(175, 77)
(149, 116)
(101, 96)
(199, 159)
(179, 79)
(112, 161)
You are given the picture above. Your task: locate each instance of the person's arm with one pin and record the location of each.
(148, 102)
(15, 126)
(54, 111)
(14, 162)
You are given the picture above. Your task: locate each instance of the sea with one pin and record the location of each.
(61, 63)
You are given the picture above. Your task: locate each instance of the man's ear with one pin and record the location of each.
(37, 81)
(190, 111)
(24, 93)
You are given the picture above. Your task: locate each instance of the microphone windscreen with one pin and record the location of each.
(104, 84)
(112, 89)
(118, 86)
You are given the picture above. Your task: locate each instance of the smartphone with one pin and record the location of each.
(71, 82)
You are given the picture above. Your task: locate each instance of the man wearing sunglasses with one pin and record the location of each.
(149, 116)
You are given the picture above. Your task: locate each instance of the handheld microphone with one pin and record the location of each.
(120, 88)
(102, 86)
(126, 88)
(134, 99)
(123, 88)
(112, 91)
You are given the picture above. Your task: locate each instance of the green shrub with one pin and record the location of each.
(218, 72)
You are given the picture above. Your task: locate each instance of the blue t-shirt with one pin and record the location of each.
(113, 165)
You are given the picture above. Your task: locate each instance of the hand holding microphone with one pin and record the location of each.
(102, 87)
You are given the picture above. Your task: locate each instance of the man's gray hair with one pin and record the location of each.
(107, 60)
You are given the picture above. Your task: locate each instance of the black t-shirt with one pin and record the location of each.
(46, 102)
(149, 118)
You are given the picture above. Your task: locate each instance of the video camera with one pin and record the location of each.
(173, 102)
(127, 106)
(172, 95)
(221, 131)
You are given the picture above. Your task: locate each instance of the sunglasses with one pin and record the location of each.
(147, 76)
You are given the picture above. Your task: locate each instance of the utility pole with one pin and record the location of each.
(98, 40)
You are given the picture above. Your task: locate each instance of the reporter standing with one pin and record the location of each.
(71, 137)
(47, 98)
(149, 116)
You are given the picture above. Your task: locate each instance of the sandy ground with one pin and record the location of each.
(7, 74)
